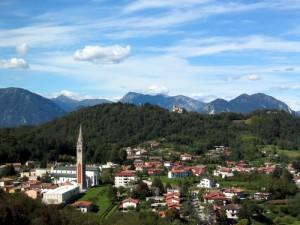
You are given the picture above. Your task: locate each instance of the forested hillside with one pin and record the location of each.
(111, 126)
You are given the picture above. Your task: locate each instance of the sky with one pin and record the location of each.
(204, 49)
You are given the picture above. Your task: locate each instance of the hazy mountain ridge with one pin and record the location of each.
(22, 107)
(69, 104)
(163, 101)
(242, 104)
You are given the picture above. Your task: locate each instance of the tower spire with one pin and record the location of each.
(80, 135)
(80, 162)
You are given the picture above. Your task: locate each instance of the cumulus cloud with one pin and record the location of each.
(157, 89)
(254, 77)
(103, 54)
(13, 63)
(22, 49)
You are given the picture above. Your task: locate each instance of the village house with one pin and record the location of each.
(199, 170)
(125, 178)
(268, 168)
(214, 196)
(262, 196)
(207, 183)
(83, 206)
(154, 172)
(173, 199)
(234, 192)
(129, 203)
(108, 165)
(223, 172)
(232, 211)
(297, 180)
(179, 171)
(186, 157)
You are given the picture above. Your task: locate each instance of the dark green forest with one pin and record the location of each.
(112, 126)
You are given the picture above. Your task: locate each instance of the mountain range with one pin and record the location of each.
(68, 104)
(22, 107)
(241, 104)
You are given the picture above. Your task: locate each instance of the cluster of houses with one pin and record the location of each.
(67, 181)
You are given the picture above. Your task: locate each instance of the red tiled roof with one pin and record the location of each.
(215, 195)
(82, 204)
(126, 173)
(136, 201)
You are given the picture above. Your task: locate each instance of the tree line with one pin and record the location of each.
(109, 127)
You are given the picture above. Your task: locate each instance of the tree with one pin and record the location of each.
(294, 206)
(122, 155)
(221, 217)
(141, 191)
(243, 222)
(111, 193)
(157, 184)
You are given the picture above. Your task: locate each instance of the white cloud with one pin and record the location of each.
(70, 94)
(152, 4)
(157, 89)
(103, 55)
(13, 63)
(216, 45)
(254, 77)
(22, 49)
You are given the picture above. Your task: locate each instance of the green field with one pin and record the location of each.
(291, 154)
(98, 195)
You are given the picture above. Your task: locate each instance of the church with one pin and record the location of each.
(85, 176)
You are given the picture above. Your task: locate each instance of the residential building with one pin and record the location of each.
(83, 206)
(223, 172)
(129, 203)
(124, 178)
(231, 192)
(232, 211)
(179, 171)
(214, 196)
(207, 183)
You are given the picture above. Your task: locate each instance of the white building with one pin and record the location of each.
(124, 178)
(61, 194)
(129, 203)
(207, 183)
(232, 211)
(108, 165)
(223, 172)
(63, 174)
(83, 206)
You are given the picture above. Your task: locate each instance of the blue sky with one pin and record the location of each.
(200, 48)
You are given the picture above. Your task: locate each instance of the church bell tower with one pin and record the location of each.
(80, 166)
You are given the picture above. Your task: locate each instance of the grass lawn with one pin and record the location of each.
(98, 196)
(289, 153)
(175, 181)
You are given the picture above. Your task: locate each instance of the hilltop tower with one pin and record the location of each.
(80, 166)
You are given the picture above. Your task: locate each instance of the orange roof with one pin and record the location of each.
(82, 204)
(214, 195)
(126, 173)
(136, 201)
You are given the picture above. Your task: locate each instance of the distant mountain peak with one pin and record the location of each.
(22, 107)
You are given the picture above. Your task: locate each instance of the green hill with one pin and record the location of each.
(111, 126)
